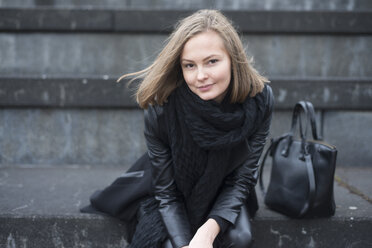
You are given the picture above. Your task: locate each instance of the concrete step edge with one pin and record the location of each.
(104, 232)
(276, 218)
(46, 19)
(105, 92)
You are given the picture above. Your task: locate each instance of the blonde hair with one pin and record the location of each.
(165, 74)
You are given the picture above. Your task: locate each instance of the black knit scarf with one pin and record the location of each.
(202, 135)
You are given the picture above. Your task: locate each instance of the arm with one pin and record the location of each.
(239, 182)
(171, 205)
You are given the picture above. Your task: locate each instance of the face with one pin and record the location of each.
(206, 66)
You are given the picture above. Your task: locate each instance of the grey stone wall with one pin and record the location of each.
(197, 4)
(43, 137)
(351, 133)
(76, 54)
(33, 54)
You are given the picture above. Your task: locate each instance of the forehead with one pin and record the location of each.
(203, 45)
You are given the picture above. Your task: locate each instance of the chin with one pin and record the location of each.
(206, 97)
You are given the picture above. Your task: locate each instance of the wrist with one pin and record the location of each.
(210, 229)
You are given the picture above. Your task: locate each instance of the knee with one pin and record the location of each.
(242, 239)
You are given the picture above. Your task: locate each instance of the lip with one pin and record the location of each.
(205, 87)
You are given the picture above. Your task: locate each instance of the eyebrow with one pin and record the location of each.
(206, 58)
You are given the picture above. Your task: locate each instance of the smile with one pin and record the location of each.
(205, 87)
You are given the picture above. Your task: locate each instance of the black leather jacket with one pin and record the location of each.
(236, 187)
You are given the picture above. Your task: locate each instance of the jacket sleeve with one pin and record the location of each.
(171, 205)
(238, 184)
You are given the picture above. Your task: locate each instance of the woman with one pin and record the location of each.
(207, 116)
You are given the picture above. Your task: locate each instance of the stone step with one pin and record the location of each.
(149, 20)
(87, 54)
(97, 137)
(100, 137)
(105, 92)
(39, 208)
(195, 4)
(59, 41)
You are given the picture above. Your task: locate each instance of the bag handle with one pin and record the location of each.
(299, 107)
(308, 161)
(311, 110)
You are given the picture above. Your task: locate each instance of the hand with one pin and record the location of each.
(205, 235)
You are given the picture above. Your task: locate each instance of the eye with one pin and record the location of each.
(213, 61)
(188, 66)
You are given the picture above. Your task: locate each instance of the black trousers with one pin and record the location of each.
(236, 236)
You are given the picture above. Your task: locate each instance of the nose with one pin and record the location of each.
(201, 74)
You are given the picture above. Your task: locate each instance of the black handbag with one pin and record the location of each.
(302, 173)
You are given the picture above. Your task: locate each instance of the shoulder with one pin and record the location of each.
(153, 112)
(154, 121)
(265, 101)
(268, 96)
(265, 97)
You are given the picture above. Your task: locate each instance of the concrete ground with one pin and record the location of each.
(40, 206)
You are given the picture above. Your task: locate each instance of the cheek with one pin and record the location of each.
(188, 77)
(224, 73)
(228, 71)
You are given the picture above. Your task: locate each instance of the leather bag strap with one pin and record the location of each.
(308, 109)
(311, 113)
(310, 173)
(299, 107)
